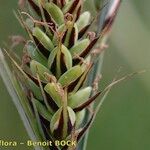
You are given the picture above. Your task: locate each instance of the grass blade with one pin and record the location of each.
(7, 79)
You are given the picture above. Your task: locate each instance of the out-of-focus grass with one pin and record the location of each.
(142, 9)
(11, 127)
(123, 122)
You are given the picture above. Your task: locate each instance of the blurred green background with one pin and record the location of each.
(124, 120)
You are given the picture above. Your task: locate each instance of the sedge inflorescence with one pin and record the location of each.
(56, 62)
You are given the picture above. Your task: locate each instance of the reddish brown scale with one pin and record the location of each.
(87, 103)
(72, 38)
(69, 17)
(63, 65)
(78, 13)
(63, 2)
(64, 36)
(70, 126)
(74, 6)
(51, 102)
(41, 48)
(86, 75)
(45, 123)
(45, 126)
(35, 80)
(49, 138)
(53, 67)
(86, 51)
(80, 133)
(50, 21)
(35, 7)
(48, 18)
(85, 128)
(83, 31)
(58, 133)
(74, 84)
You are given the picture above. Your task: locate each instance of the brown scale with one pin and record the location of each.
(70, 126)
(74, 84)
(51, 102)
(78, 13)
(53, 67)
(49, 20)
(83, 31)
(35, 7)
(46, 14)
(63, 3)
(72, 38)
(62, 65)
(58, 133)
(86, 51)
(87, 103)
(84, 129)
(41, 48)
(74, 6)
